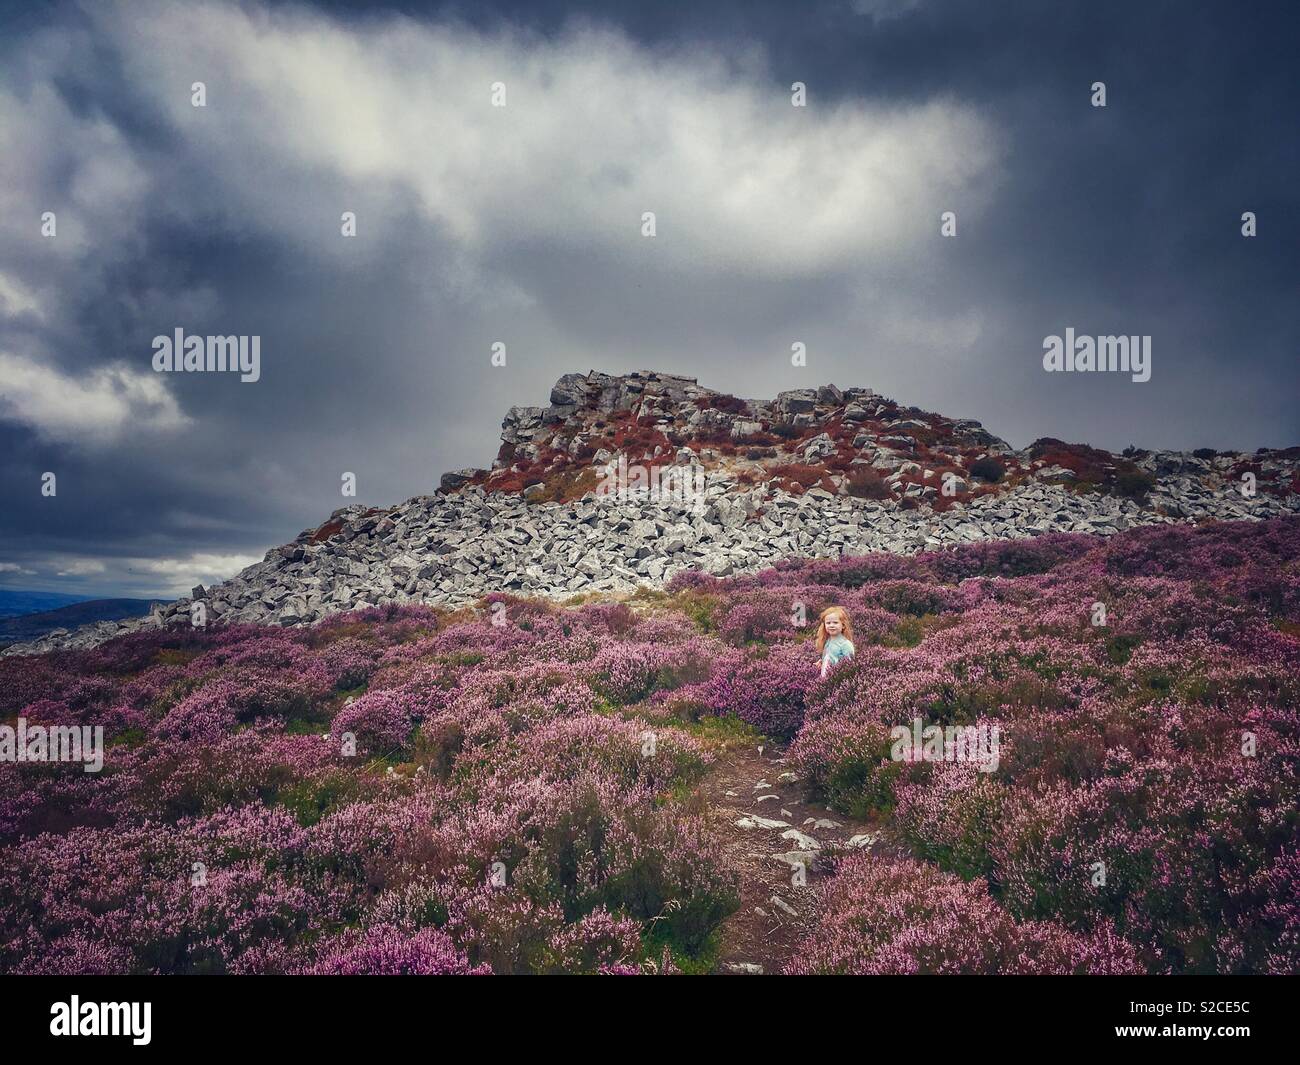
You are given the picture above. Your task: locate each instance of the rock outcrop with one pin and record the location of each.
(627, 481)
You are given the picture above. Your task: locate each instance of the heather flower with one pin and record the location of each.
(1160, 746)
(768, 692)
(381, 721)
(385, 951)
(882, 917)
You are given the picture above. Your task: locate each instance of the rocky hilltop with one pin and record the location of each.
(627, 480)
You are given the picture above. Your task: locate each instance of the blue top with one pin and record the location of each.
(837, 649)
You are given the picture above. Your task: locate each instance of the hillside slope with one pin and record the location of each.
(523, 787)
(63, 619)
(627, 481)
(15, 603)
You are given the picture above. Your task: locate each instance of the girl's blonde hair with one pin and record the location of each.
(844, 620)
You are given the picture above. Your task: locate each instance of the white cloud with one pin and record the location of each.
(97, 406)
(140, 576)
(596, 131)
(885, 10)
(16, 298)
(76, 165)
(81, 567)
(185, 572)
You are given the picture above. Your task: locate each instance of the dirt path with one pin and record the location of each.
(770, 832)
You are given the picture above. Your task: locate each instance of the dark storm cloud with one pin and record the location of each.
(375, 351)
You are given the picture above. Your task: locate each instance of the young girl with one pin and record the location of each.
(834, 637)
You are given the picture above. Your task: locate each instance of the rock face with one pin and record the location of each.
(627, 481)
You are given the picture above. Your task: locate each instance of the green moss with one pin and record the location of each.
(700, 608)
(703, 962)
(862, 787)
(461, 658)
(131, 737)
(311, 800)
(907, 633)
(724, 731)
(1120, 648)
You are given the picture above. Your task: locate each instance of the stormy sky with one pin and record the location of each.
(523, 224)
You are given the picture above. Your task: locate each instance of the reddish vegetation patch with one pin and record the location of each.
(797, 477)
(728, 404)
(335, 526)
(567, 486)
(330, 528)
(633, 436)
(1086, 463)
(1266, 481)
(1094, 469)
(843, 457)
(932, 443)
(514, 482)
(795, 434)
(866, 483)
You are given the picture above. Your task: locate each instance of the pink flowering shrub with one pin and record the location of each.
(381, 721)
(882, 917)
(764, 614)
(386, 951)
(1147, 780)
(767, 691)
(523, 797)
(225, 764)
(631, 671)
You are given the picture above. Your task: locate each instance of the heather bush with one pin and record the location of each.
(909, 597)
(988, 469)
(949, 814)
(628, 672)
(844, 761)
(511, 765)
(1121, 743)
(865, 483)
(882, 917)
(563, 748)
(1006, 558)
(381, 721)
(768, 692)
(758, 616)
(349, 662)
(386, 951)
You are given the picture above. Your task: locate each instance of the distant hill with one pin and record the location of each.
(14, 604)
(33, 626)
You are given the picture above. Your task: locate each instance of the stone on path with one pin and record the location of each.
(754, 821)
(796, 859)
(801, 841)
(784, 906)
